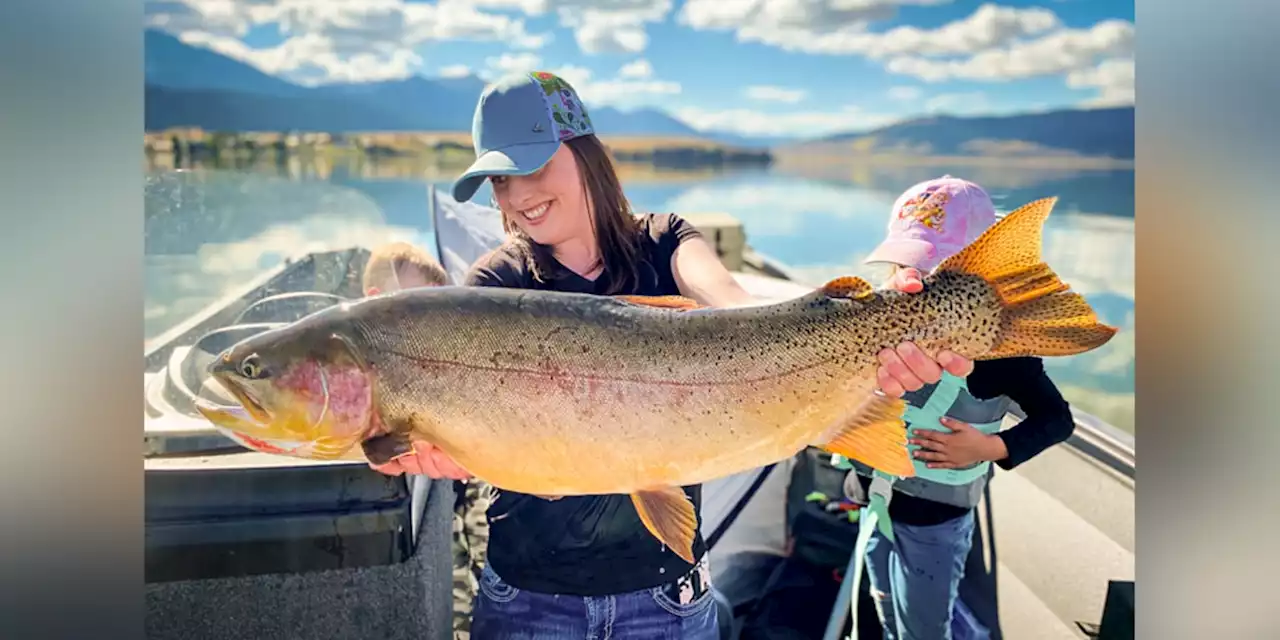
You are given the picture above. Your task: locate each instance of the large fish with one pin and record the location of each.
(569, 394)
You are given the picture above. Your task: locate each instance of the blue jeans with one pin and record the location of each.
(915, 582)
(507, 613)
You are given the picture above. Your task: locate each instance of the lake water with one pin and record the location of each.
(211, 229)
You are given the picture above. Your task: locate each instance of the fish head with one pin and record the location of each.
(302, 393)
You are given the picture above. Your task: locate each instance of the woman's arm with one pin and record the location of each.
(701, 276)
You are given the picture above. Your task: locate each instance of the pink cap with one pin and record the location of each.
(934, 220)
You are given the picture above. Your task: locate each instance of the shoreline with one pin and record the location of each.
(666, 152)
(791, 159)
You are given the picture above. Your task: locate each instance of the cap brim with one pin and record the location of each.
(515, 160)
(907, 252)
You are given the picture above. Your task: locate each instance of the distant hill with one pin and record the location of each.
(170, 63)
(189, 86)
(192, 86)
(1087, 132)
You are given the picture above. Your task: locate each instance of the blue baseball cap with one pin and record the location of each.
(519, 124)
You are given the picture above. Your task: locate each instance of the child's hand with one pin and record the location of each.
(962, 447)
(907, 368)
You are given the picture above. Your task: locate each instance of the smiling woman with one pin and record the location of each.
(580, 565)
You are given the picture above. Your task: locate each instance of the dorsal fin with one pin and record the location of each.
(851, 287)
(679, 303)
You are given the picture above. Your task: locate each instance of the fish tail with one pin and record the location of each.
(1039, 316)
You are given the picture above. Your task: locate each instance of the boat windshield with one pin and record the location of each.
(211, 231)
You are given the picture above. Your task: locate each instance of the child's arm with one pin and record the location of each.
(1024, 380)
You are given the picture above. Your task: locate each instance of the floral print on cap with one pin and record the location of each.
(567, 112)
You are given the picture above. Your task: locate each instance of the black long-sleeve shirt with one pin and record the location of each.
(1048, 422)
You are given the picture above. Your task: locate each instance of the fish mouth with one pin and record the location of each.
(244, 397)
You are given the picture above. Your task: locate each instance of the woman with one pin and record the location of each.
(585, 566)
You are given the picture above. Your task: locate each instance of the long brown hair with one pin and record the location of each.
(616, 230)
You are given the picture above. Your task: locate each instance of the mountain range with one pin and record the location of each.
(190, 86)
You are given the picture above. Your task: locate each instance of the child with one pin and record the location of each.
(400, 265)
(393, 267)
(953, 429)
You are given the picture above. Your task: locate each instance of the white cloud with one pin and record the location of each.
(621, 90)
(599, 26)
(509, 63)
(971, 102)
(577, 76)
(776, 21)
(794, 123)
(906, 94)
(611, 26)
(765, 93)
(455, 71)
(1061, 52)
(330, 41)
(993, 44)
(1113, 78)
(303, 58)
(841, 28)
(637, 69)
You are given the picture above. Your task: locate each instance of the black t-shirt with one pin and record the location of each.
(584, 545)
(1048, 422)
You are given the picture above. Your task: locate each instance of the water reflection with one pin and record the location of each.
(209, 230)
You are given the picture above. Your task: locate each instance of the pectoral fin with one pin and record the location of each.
(384, 448)
(876, 436)
(668, 514)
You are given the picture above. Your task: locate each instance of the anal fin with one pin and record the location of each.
(668, 514)
(876, 436)
(679, 303)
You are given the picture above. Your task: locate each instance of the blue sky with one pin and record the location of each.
(762, 67)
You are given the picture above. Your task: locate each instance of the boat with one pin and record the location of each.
(246, 544)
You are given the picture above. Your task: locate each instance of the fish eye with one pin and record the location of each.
(251, 367)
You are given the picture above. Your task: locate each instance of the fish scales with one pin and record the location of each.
(570, 394)
(605, 384)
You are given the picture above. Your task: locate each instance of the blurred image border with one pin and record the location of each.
(72, 560)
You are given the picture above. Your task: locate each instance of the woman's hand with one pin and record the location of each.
(962, 447)
(424, 460)
(907, 368)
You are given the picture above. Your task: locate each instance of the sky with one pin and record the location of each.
(755, 67)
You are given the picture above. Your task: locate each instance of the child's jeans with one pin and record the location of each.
(505, 612)
(915, 582)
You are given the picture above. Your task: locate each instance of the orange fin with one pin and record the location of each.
(1040, 315)
(668, 514)
(851, 287)
(876, 436)
(680, 303)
